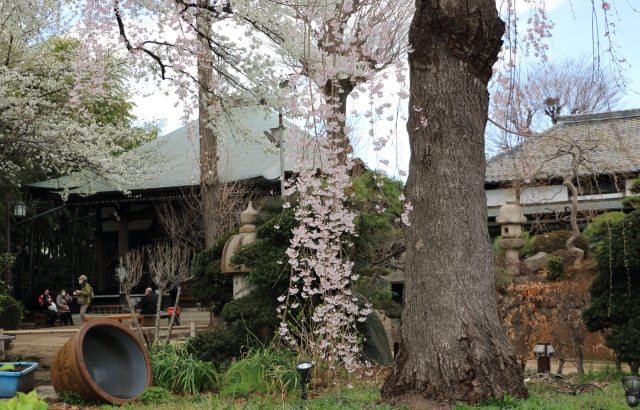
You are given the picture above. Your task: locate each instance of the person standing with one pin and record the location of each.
(84, 297)
(62, 300)
(45, 301)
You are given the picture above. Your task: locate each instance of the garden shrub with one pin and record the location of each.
(11, 310)
(213, 288)
(253, 317)
(216, 345)
(71, 398)
(555, 269)
(599, 227)
(633, 201)
(615, 291)
(552, 241)
(154, 395)
(568, 258)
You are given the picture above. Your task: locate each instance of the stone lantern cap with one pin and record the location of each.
(247, 235)
(511, 214)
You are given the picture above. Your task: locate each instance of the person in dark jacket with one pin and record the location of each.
(149, 302)
(48, 307)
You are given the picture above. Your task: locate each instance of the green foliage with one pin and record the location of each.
(606, 374)
(212, 287)
(254, 317)
(24, 401)
(155, 395)
(504, 402)
(176, 369)
(265, 370)
(552, 241)
(116, 106)
(555, 271)
(376, 291)
(634, 201)
(72, 398)
(615, 291)
(599, 227)
(11, 310)
(216, 345)
(527, 251)
(375, 201)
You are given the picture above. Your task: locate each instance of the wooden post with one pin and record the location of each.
(123, 232)
(193, 329)
(2, 345)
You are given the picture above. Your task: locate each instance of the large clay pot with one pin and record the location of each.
(104, 361)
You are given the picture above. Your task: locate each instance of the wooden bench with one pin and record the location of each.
(41, 319)
(145, 320)
(119, 318)
(106, 309)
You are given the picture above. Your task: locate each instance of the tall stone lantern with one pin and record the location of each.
(511, 218)
(247, 235)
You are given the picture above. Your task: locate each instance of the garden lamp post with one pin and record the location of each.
(304, 368)
(277, 137)
(121, 274)
(20, 210)
(631, 386)
(544, 351)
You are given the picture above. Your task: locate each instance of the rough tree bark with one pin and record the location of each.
(209, 178)
(454, 346)
(569, 183)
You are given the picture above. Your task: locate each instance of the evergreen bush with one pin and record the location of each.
(11, 310)
(615, 291)
(216, 345)
(552, 241)
(155, 395)
(600, 226)
(555, 270)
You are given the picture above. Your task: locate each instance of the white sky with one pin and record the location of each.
(572, 36)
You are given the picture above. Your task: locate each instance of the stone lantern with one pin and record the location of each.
(247, 235)
(511, 218)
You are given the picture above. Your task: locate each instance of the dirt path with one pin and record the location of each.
(41, 347)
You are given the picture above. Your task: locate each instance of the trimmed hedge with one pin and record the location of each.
(553, 241)
(11, 313)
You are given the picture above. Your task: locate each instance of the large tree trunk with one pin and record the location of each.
(209, 179)
(454, 346)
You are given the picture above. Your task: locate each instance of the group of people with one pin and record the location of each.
(61, 304)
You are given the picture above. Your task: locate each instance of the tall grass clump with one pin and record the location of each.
(606, 373)
(179, 371)
(265, 370)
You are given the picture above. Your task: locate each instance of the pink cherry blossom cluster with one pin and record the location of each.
(319, 311)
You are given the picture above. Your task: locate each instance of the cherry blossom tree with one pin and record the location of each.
(360, 39)
(46, 125)
(188, 44)
(461, 353)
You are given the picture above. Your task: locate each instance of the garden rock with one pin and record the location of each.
(537, 262)
(376, 345)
